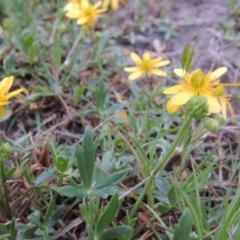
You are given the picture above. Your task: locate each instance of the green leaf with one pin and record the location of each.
(71, 192)
(56, 53)
(34, 219)
(101, 93)
(102, 42)
(55, 216)
(103, 192)
(86, 158)
(10, 172)
(115, 232)
(28, 232)
(162, 185)
(172, 195)
(112, 179)
(77, 93)
(45, 175)
(12, 229)
(133, 123)
(164, 208)
(3, 228)
(108, 214)
(183, 229)
(49, 208)
(61, 164)
(4, 237)
(88, 219)
(130, 222)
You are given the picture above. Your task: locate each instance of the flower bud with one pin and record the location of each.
(197, 107)
(5, 148)
(220, 118)
(211, 124)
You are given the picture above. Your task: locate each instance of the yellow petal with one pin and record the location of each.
(131, 69)
(135, 75)
(97, 5)
(230, 108)
(217, 73)
(73, 13)
(182, 97)
(84, 4)
(6, 84)
(114, 4)
(136, 58)
(171, 107)
(162, 63)
(146, 56)
(223, 107)
(68, 6)
(179, 72)
(213, 105)
(4, 103)
(99, 11)
(11, 94)
(2, 111)
(106, 3)
(81, 21)
(172, 90)
(158, 72)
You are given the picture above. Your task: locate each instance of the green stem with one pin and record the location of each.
(70, 53)
(96, 55)
(149, 82)
(162, 163)
(6, 200)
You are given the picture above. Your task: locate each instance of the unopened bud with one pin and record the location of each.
(197, 107)
(211, 124)
(220, 118)
(5, 148)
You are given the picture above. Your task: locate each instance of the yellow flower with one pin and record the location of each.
(145, 66)
(84, 12)
(5, 85)
(198, 84)
(114, 4)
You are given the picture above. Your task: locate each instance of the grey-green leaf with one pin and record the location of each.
(183, 229)
(112, 179)
(172, 195)
(45, 175)
(86, 158)
(70, 191)
(108, 214)
(115, 232)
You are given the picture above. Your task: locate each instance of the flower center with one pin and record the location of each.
(197, 79)
(146, 66)
(89, 12)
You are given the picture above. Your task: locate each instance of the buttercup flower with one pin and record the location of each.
(145, 66)
(113, 3)
(5, 85)
(84, 12)
(198, 84)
